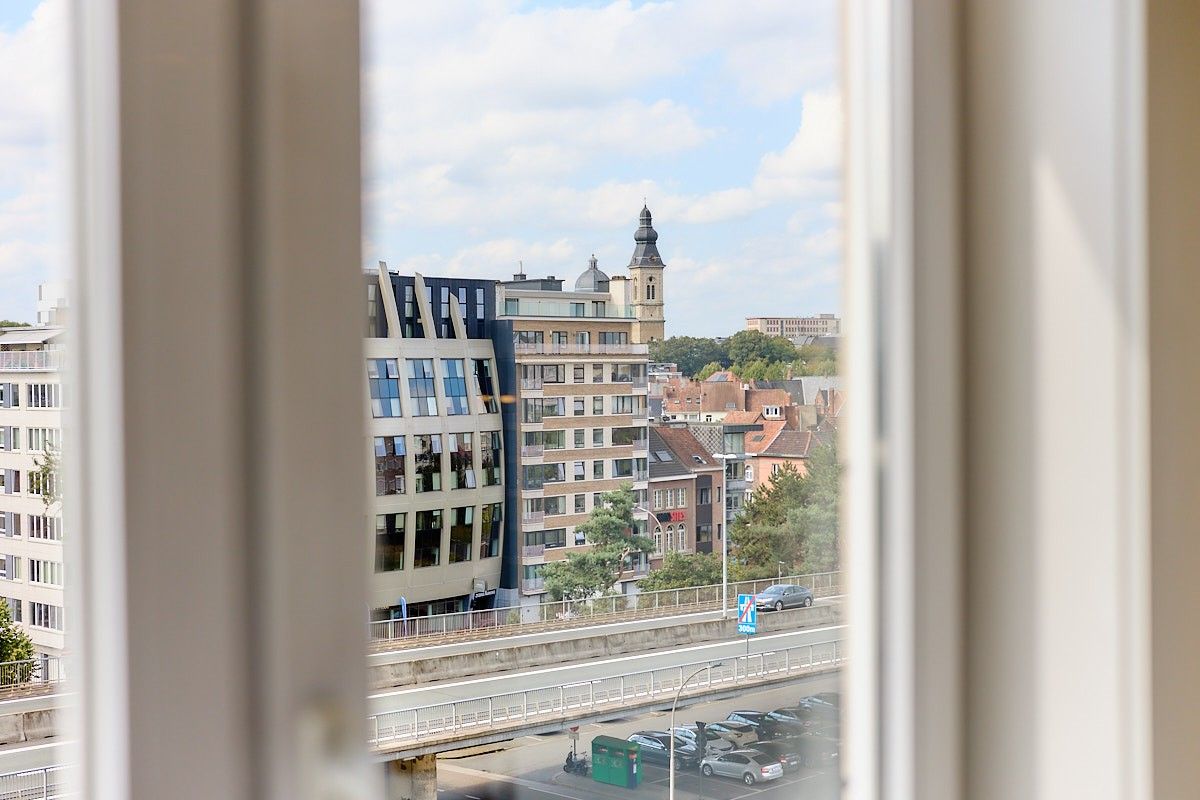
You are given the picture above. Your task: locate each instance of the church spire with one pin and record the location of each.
(645, 250)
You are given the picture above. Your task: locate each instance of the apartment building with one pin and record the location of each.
(581, 361)
(437, 445)
(728, 437)
(800, 329)
(31, 526)
(685, 485)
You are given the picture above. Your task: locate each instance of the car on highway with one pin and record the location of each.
(714, 744)
(738, 733)
(783, 595)
(786, 751)
(750, 766)
(767, 725)
(655, 749)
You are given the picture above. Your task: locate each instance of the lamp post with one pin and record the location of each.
(671, 730)
(724, 528)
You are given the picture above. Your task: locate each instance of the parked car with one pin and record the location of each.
(783, 595)
(822, 704)
(655, 749)
(738, 733)
(767, 725)
(751, 766)
(713, 744)
(800, 715)
(816, 749)
(785, 751)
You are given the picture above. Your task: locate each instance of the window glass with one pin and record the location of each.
(462, 461)
(490, 457)
(462, 522)
(389, 542)
(420, 387)
(389, 465)
(454, 383)
(428, 550)
(484, 383)
(491, 528)
(428, 458)
(383, 378)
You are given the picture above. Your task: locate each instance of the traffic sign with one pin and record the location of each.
(747, 614)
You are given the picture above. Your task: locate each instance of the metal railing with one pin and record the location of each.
(579, 613)
(532, 450)
(33, 672)
(31, 360)
(47, 783)
(484, 714)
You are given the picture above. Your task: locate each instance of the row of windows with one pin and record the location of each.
(383, 380)
(37, 395)
(41, 615)
(534, 476)
(36, 439)
(473, 314)
(672, 538)
(40, 570)
(670, 498)
(39, 526)
(391, 456)
(531, 574)
(391, 536)
(536, 409)
(36, 482)
(533, 375)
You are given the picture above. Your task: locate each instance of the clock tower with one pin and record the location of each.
(646, 275)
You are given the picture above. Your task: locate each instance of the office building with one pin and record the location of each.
(801, 330)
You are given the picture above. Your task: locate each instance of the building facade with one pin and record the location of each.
(437, 445)
(800, 329)
(581, 362)
(31, 525)
(685, 486)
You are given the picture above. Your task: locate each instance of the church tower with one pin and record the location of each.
(646, 275)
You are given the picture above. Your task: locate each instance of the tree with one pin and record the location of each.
(689, 353)
(747, 346)
(793, 519)
(680, 570)
(8, 323)
(15, 645)
(611, 532)
(45, 477)
(708, 370)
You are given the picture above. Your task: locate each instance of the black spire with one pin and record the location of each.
(645, 251)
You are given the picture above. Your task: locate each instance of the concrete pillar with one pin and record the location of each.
(412, 778)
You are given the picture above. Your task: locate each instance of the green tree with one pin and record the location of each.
(791, 518)
(690, 353)
(611, 532)
(747, 346)
(46, 476)
(680, 570)
(15, 645)
(8, 323)
(708, 370)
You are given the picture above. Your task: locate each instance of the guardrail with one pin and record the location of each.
(47, 783)
(484, 714)
(31, 360)
(31, 673)
(578, 613)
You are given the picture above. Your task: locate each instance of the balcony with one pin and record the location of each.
(641, 475)
(31, 360)
(533, 551)
(533, 517)
(532, 451)
(533, 585)
(531, 384)
(575, 349)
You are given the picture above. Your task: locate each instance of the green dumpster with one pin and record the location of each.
(616, 762)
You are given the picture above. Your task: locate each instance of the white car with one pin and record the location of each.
(750, 766)
(737, 732)
(714, 744)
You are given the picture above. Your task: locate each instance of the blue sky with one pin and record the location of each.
(500, 131)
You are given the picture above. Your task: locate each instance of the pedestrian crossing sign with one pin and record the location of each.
(747, 621)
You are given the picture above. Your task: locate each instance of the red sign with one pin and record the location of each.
(678, 516)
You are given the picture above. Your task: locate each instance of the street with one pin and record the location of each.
(530, 768)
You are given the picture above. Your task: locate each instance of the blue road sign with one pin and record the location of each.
(747, 614)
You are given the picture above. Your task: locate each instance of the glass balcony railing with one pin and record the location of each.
(576, 349)
(523, 307)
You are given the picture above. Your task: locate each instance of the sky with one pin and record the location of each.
(506, 131)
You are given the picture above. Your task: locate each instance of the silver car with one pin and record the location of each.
(750, 766)
(714, 744)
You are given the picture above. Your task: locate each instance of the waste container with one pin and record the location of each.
(616, 762)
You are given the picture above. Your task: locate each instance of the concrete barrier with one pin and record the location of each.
(29, 719)
(501, 658)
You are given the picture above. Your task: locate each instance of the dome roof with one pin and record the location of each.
(592, 279)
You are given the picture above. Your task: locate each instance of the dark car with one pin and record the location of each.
(783, 595)
(815, 749)
(767, 725)
(785, 751)
(655, 749)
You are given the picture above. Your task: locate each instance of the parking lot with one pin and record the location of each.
(530, 768)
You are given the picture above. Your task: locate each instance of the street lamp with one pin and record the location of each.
(650, 515)
(724, 528)
(779, 570)
(671, 730)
